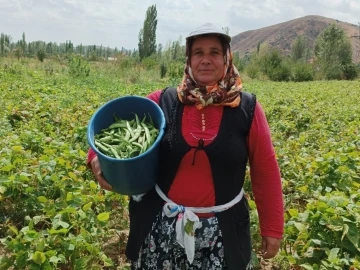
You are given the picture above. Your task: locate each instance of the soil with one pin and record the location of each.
(115, 248)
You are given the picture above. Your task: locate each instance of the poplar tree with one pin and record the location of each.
(147, 35)
(23, 43)
(299, 49)
(333, 51)
(2, 44)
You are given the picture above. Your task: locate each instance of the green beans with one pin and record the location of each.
(126, 139)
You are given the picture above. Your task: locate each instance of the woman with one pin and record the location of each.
(197, 216)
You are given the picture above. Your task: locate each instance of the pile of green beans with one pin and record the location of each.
(127, 138)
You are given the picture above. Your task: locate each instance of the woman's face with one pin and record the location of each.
(207, 60)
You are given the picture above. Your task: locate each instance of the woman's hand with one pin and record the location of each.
(95, 167)
(270, 246)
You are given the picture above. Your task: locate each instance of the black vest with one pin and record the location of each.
(228, 156)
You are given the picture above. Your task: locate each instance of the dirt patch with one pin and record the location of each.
(115, 248)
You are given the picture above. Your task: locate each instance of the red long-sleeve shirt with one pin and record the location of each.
(264, 170)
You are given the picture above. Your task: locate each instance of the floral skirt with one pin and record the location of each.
(160, 249)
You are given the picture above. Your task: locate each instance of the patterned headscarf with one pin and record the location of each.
(225, 93)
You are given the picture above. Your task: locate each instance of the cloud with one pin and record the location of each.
(331, 3)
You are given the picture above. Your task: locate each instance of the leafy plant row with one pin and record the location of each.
(54, 216)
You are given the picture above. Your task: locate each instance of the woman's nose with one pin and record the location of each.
(206, 60)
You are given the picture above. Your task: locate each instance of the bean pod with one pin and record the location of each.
(127, 138)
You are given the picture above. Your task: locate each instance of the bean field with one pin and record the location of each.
(53, 215)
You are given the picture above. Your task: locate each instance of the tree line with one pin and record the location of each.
(331, 58)
(21, 48)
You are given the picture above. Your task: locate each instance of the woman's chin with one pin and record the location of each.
(206, 82)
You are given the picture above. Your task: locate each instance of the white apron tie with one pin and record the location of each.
(187, 221)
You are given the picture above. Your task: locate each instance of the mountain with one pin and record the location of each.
(282, 35)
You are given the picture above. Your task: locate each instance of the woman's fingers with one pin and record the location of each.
(270, 247)
(96, 169)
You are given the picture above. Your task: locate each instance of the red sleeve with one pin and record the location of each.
(265, 177)
(90, 156)
(154, 96)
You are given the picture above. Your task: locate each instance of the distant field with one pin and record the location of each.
(54, 216)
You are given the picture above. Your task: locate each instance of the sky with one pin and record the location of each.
(116, 23)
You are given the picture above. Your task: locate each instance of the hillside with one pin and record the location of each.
(283, 34)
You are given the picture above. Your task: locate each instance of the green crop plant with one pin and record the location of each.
(53, 215)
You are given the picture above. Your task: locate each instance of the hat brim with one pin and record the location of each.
(226, 37)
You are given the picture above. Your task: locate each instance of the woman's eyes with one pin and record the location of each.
(212, 53)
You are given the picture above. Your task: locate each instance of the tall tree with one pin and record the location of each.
(299, 49)
(226, 30)
(100, 51)
(107, 53)
(80, 49)
(49, 49)
(258, 47)
(23, 43)
(2, 44)
(159, 49)
(147, 35)
(175, 49)
(333, 50)
(30, 49)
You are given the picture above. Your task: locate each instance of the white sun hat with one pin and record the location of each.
(208, 29)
